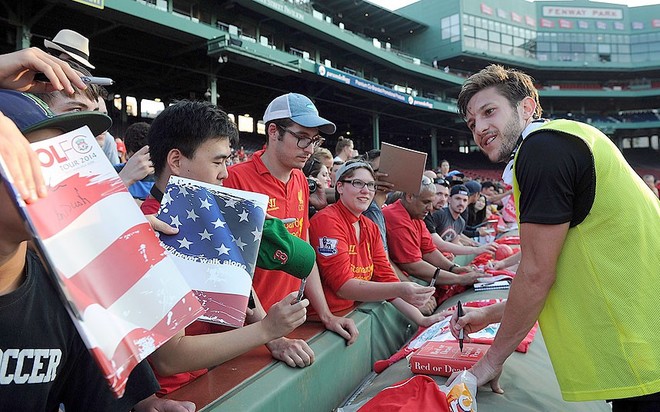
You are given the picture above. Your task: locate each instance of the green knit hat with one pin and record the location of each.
(280, 250)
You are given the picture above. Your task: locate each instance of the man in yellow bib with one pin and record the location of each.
(589, 268)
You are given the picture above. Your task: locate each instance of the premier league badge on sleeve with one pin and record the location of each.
(327, 246)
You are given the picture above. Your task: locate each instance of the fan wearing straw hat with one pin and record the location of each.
(68, 44)
(73, 47)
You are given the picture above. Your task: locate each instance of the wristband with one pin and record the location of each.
(453, 266)
(435, 277)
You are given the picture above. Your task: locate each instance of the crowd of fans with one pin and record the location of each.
(371, 243)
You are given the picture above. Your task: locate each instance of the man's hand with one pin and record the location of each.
(318, 200)
(470, 278)
(488, 373)
(21, 161)
(383, 186)
(484, 372)
(160, 226)
(156, 404)
(293, 352)
(286, 315)
(17, 71)
(416, 295)
(473, 320)
(137, 167)
(344, 327)
(487, 248)
(429, 306)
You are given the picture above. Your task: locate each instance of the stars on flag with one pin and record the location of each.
(223, 250)
(243, 216)
(184, 243)
(167, 199)
(205, 235)
(174, 221)
(238, 242)
(229, 202)
(257, 234)
(206, 204)
(212, 224)
(192, 215)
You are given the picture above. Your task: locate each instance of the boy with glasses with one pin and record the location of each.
(292, 128)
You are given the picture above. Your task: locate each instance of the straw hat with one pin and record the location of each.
(72, 43)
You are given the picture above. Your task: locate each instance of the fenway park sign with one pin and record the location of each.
(582, 12)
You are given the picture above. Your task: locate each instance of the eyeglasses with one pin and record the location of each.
(304, 141)
(359, 184)
(442, 182)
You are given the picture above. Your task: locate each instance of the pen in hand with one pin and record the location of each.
(301, 291)
(459, 311)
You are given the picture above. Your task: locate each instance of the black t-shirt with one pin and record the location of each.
(557, 179)
(43, 360)
(468, 231)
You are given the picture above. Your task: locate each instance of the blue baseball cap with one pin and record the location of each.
(473, 186)
(300, 109)
(30, 113)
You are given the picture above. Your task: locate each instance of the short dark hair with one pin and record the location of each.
(135, 137)
(281, 124)
(487, 184)
(185, 125)
(514, 85)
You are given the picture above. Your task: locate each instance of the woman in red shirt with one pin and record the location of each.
(350, 254)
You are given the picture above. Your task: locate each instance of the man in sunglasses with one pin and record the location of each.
(441, 193)
(293, 125)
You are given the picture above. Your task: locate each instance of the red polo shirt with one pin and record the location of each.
(340, 256)
(407, 239)
(285, 200)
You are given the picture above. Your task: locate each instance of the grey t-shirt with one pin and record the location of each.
(443, 223)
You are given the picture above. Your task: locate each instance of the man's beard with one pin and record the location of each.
(509, 137)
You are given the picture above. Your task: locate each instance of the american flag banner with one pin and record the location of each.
(217, 244)
(124, 294)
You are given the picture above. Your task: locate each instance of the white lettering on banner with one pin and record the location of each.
(583, 12)
(284, 9)
(13, 364)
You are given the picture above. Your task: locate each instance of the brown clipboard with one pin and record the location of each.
(404, 167)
